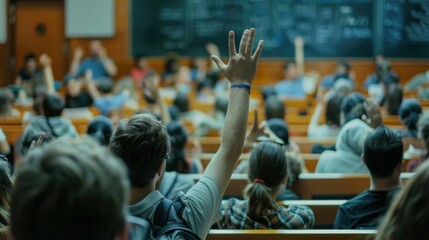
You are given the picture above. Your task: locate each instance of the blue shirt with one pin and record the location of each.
(107, 104)
(291, 88)
(96, 66)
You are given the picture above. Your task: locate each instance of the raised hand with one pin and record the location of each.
(37, 144)
(45, 60)
(241, 67)
(256, 130)
(299, 41)
(212, 49)
(78, 53)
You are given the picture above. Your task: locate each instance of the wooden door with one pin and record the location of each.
(40, 28)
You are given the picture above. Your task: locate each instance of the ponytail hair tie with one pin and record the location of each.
(258, 180)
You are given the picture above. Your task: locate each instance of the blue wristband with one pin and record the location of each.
(241, 85)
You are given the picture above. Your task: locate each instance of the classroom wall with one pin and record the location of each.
(269, 71)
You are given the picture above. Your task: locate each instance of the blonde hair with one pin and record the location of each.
(407, 218)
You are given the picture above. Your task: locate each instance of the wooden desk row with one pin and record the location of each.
(313, 185)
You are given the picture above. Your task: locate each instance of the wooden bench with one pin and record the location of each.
(313, 185)
(325, 211)
(291, 234)
(330, 185)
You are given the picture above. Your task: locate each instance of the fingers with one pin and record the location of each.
(256, 120)
(243, 43)
(218, 62)
(231, 44)
(40, 140)
(249, 46)
(258, 51)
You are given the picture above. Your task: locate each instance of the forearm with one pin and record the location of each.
(299, 59)
(223, 163)
(109, 66)
(74, 66)
(49, 79)
(316, 115)
(165, 115)
(92, 89)
(4, 147)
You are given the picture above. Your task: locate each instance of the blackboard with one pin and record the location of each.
(331, 28)
(406, 28)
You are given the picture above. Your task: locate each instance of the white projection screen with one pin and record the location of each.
(90, 18)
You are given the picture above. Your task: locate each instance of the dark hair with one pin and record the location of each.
(5, 104)
(52, 105)
(101, 129)
(332, 114)
(178, 139)
(105, 86)
(382, 152)
(280, 129)
(267, 171)
(393, 99)
(174, 113)
(288, 65)
(408, 216)
(142, 142)
(349, 103)
(182, 102)
(423, 129)
(30, 56)
(409, 113)
(345, 65)
(6, 187)
(221, 104)
(69, 189)
(31, 136)
(274, 108)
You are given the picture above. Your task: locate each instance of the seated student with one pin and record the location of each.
(100, 128)
(409, 114)
(177, 160)
(423, 133)
(77, 191)
(50, 121)
(5, 192)
(355, 106)
(6, 104)
(348, 150)
(420, 83)
(379, 81)
(4, 144)
(293, 84)
(274, 108)
(101, 66)
(141, 71)
(408, 216)
(142, 143)
(332, 125)
(393, 99)
(342, 71)
(267, 175)
(383, 157)
(75, 97)
(28, 71)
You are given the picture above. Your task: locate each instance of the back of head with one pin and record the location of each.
(352, 137)
(348, 104)
(343, 67)
(182, 102)
(267, 171)
(6, 187)
(409, 113)
(101, 129)
(221, 104)
(52, 105)
(69, 189)
(142, 142)
(393, 99)
(383, 150)
(279, 128)
(274, 108)
(423, 130)
(333, 109)
(178, 139)
(407, 218)
(5, 104)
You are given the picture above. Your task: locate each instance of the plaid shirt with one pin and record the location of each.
(234, 216)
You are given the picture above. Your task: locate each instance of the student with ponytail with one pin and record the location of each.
(409, 113)
(259, 210)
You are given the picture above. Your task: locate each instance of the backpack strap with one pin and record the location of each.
(162, 213)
